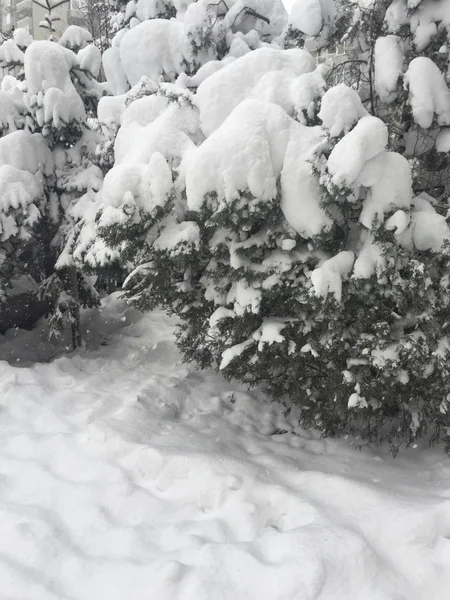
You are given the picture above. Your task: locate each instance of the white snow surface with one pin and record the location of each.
(90, 59)
(429, 17)
(178, 237)
(47, 72)
(152, 139)
(22, 37)
(327, 278)
(125, 474)
(388, 177)
(340, 109)
(428, 93)
(75, 37)
(367, 139)
(222, 91)
(306, 16)
(115, 75)
(257, 145)
(389, 61)
(10, 53)
(152, 48)
(443, 140)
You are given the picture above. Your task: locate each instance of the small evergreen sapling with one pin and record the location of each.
(53, 153)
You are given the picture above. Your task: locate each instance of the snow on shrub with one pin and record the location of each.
(285, 225)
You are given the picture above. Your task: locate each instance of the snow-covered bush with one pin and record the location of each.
(280, 223)
(325, 278)
(46, 168)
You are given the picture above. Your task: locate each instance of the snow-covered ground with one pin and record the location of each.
(126, 475)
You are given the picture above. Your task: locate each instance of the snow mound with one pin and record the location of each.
(115, 75)
(26, 151)
(306, 16)
(24, 157)
(90, 59)
(256, 145)
(388, 177)
(22, 37)
(245, 153)
(154, 48)
(427, 19)
(222, 91)
(10, 53)
(367, 139)
(389, 62)
(75, 38)
(298, 96)
(178, 238)
(47, 72)
(327, 279)
(443, 140)
(154, 481)
(153, 139)
(18, 191)
(12, 106)
(340, 109)
(301, 194)
(428, 93)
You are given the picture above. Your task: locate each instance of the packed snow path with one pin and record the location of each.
(126, 475)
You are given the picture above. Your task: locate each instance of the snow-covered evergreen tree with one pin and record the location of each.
(281, 223)
(46, 167)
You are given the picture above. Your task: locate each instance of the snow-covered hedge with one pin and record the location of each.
(275, 220)
(285, 217)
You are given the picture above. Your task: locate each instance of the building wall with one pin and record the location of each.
(40, 33)
(28, 15)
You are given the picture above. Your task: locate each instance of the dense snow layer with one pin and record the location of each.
(75, 37)
(90, 59)
(367, 139)
(154, 48)
(245, 153)
(443, 140)
(389, 61)
(256, 146)
(340, 109)
(26, 151)
(10, 53)
(47, 72)
(12, 106)
(306, 16)
(428, 93)
(125, 474)
(388, 177)
(327, 278)
(220, 93)
(396, 15)
(22, 37)
(115, 75)
(152, 140)
(429, 17)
